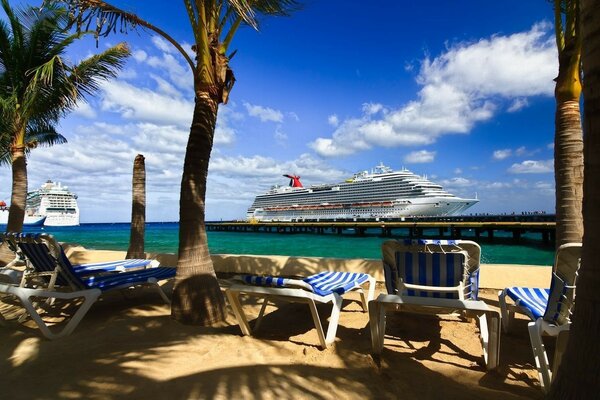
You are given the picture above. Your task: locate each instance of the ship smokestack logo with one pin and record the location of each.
(294, 180)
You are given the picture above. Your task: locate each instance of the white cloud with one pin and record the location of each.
(532, 167)
(139, 55)
(372, 108)
(264, 113)
(421, 156)
(136, 103)
(85, 110)
(333, 120)
(517, 105)
(460, 88)
(458, 171)
(165, 87)
(458, 182)
(521, 151)
(280, 136)
(514, 66)
(502, 154)
(163, 45)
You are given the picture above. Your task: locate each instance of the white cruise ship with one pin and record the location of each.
(56, 203)
(379, 194)
(31, 220)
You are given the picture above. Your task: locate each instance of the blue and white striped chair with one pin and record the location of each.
(325, 287)
(439, 276)
(40, 264)
(55, 278)
(549, 310)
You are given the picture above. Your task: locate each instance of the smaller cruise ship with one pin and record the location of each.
(54, 202)
(30, 220)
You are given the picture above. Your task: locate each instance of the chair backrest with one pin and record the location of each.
(439, 263)
(561, 299)
(45, 255)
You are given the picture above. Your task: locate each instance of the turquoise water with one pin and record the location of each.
(163, 238)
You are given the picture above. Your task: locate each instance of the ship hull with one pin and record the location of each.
(33, 220)
(58, 219)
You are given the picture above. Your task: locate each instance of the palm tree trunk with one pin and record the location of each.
(568, 136)
(578, 375)
(138, 209)
(568, 171)
(16, 213)
(197, 298)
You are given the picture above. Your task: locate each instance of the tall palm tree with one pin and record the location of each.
(577, 376)
(197, 297)
(568, 137)
(138, 209)
(38, 86)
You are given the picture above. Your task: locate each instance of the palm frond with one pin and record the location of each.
(98, 16)
(86, 75)
(42, 135)
(249, 9)
(103, 19)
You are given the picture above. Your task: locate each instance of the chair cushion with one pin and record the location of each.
(335, 282)
(323, 283)
(106, 282)
(431, 269)
(533, 299)
(112, 266)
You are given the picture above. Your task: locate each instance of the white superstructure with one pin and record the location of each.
(56, 203)
(379, 194)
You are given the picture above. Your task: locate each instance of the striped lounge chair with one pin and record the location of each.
(434, 276)
(51, 276)
(325, 287)
(549, 310)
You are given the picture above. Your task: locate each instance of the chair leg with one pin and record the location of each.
(365, 299)
(506, 315)
(377, 325)
(561, 344)
(89, 298)
(234, 301)
(484, 336)
(154, 283)
(539, 353)
(489, 331)
(334, 319)
(371, 293)
(261, 313)
(317, 322)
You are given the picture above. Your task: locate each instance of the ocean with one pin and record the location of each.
(163, 238)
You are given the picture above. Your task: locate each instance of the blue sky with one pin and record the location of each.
(460, 91)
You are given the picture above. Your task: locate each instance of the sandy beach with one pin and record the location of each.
(128, 347)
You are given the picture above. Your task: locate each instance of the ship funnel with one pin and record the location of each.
(294, 180)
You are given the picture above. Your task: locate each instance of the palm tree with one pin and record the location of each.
(577, 376)
(138, 209)
(38, 87)
(197, 297)
(568, 138)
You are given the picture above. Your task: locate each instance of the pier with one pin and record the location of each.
(460, 227)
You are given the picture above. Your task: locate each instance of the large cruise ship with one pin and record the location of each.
(56, 203)
(379, 194)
